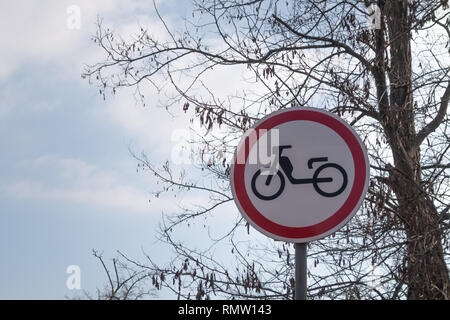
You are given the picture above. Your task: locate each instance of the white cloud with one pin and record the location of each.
(17, 97)
(118, 197)
(37, 31)
(150, 127)
(75, 181)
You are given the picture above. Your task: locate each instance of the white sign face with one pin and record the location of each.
(300, 174)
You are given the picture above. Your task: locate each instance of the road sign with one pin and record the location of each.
(299, 174)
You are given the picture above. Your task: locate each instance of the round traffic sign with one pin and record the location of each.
(299, 174)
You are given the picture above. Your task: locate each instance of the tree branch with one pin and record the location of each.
(429, 128)
(335, 43)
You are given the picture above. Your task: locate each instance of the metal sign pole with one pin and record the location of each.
(300, 271)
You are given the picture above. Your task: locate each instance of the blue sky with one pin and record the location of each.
(68, 183)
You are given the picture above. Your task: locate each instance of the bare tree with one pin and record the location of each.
(389, 80)
(124, 282)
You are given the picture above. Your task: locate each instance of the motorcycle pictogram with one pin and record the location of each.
(287, 168)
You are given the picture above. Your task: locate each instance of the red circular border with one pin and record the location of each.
(341, 214)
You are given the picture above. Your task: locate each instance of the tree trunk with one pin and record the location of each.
(426, 268)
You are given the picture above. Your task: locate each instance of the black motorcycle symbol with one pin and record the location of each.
(286, 166)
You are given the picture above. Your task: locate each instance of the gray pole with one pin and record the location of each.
(300, 271)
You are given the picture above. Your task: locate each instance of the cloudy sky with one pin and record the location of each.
(68, 183)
